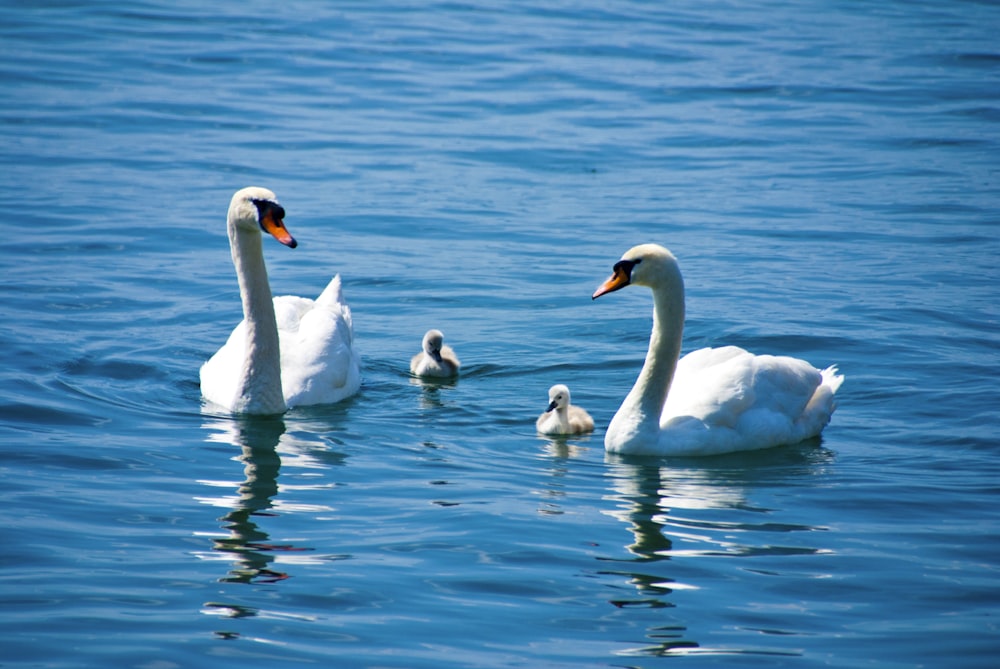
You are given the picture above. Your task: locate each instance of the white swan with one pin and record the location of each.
(720, 399)
(289, 351)
(562, 417)
(435, 359)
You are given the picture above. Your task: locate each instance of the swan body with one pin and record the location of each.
(435, 358)
(562, 417)
(288, 351)
(713, 400)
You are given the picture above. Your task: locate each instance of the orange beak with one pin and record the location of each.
(273, 224)
(618, 280)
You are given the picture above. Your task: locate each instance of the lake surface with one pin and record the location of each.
(828, 175)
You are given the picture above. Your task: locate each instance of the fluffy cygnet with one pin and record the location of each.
(436, 359)
(562, 417)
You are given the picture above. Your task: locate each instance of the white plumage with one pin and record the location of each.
(288, 351)
(713, 400)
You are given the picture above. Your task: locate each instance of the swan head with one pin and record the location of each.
(558, 397)
(254, 209)
(433, 341)
(649, 265)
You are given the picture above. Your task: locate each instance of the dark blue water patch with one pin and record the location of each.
(978, 112)
(920, 143)
(109, 368)
(40, 456)
(986, 60)
(799, 345)
(18, 414)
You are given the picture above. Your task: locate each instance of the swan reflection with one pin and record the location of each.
(559, 450)
(677, 513)
(246, 544)
(431, 396)
(264, 447)
(565, 447)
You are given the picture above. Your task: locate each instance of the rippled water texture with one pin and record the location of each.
(827, 174)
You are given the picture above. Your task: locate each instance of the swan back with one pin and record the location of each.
(319, 364)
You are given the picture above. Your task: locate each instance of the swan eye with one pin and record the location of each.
(625, 267)
(269, 205)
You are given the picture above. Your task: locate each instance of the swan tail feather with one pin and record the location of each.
(832, 378)
(332, 294)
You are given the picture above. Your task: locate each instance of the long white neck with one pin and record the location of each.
(259, 388)
(638, 419)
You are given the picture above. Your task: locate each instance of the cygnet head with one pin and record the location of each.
(253, 209)
(648, 265)
(433, 341)
(558, 397)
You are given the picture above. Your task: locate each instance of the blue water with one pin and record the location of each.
(828, 175)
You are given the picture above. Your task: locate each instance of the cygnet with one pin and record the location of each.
(436, 359)
(562, 417)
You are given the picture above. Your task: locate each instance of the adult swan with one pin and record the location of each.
(720, 399)
(289, 351)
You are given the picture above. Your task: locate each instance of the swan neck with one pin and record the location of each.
(259, 389)
(638, 419)
(664, 349)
